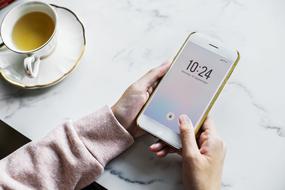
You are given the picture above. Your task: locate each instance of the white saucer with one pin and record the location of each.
(53, 69)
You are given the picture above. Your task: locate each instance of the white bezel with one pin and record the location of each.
(159, 130)
(205, 41)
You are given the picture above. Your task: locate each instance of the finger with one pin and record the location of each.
(204, 148)
(153, 75)
(189, 145)
(151, 88)
(154, 84)
(173, 150)
(163, 152)
(157, 146)
(208, 125)
(203, 137)
(170, 149)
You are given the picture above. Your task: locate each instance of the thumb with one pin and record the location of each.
(188, 139)
(153, 75)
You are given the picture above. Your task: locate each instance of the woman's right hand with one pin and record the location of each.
(202, 159)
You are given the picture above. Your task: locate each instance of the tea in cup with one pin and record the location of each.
(30, 28)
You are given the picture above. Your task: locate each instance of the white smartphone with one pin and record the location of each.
(197, 75)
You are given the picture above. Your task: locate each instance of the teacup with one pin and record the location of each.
(30, 28)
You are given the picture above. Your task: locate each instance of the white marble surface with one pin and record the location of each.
(125, 38)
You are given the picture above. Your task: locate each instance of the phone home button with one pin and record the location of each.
(170, 116)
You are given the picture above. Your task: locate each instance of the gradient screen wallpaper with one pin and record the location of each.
(188, 87)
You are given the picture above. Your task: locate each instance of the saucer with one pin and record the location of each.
(69, 49)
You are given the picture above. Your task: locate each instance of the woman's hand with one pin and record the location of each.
(131, 102)
(202, 161)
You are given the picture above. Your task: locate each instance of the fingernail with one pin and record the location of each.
(184, 119)
(165, 63)
(153, 146)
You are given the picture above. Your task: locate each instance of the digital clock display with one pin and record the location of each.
(202, 71)
(189, 86)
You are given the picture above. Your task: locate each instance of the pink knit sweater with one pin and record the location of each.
(70, 157)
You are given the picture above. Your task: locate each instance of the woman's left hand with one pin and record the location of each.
(126, 109)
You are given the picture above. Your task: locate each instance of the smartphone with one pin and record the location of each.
(196, 77)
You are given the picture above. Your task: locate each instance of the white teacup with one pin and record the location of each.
(34, 56)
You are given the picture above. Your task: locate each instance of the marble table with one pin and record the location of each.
(126, 38)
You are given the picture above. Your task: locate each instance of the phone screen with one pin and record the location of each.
(188, 87)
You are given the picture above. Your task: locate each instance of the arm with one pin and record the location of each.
(70, 157)
(74, 154)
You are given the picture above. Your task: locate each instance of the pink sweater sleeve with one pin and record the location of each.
(70, 157)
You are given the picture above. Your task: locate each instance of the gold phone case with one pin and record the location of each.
(215, 96)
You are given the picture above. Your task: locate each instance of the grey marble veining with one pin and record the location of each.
(265, 120)
(126, 38)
